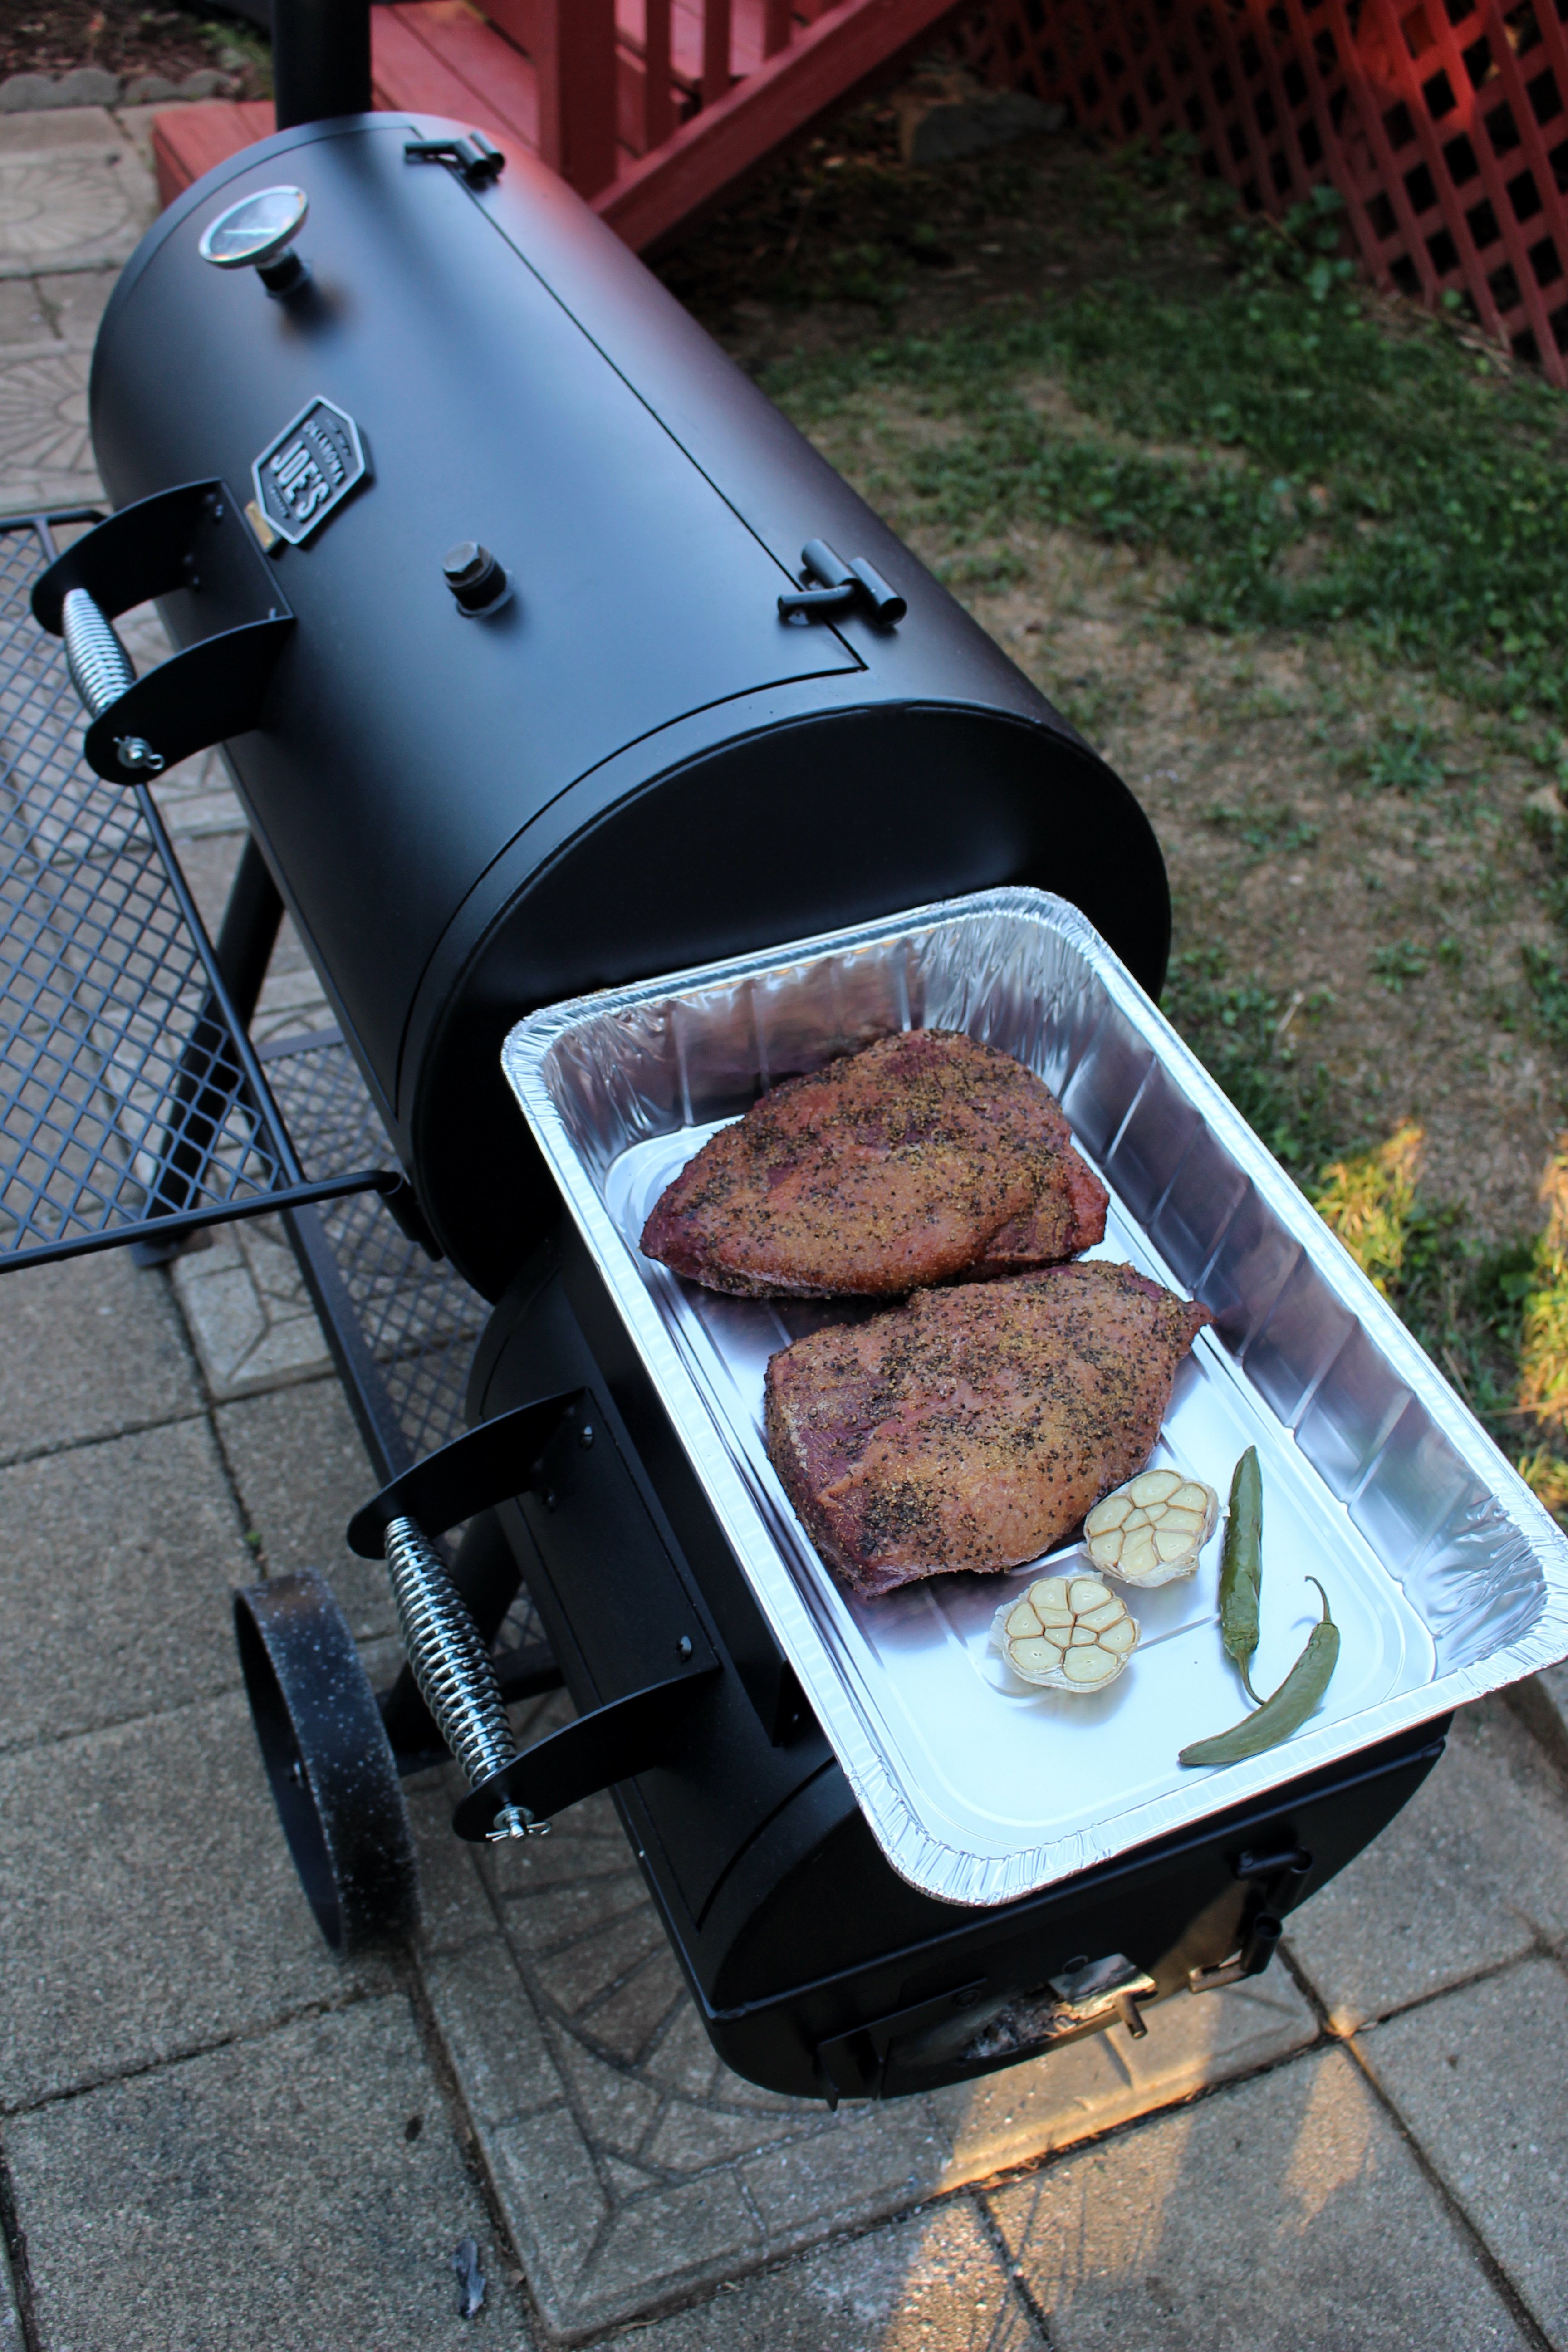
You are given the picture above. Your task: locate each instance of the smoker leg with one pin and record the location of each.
(248, 932)
(202, 1100)
(333, 1775)
(488, 1580)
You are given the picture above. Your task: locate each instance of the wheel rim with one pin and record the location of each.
(328, 1762)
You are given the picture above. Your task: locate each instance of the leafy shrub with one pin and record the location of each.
(1368, 1201)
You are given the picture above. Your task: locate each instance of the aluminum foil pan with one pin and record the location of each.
(1446, 1575)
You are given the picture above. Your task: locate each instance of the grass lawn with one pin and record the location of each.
(1294, 559)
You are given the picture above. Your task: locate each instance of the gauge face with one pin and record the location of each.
(255, 229)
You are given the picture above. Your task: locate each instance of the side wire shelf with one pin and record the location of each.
(416, 1320)
(134, 1108)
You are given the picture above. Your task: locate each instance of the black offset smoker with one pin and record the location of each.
(547, 656)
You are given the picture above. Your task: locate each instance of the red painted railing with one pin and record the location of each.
(747, 76)
(1444, 124)
(620, 77)
(651, 109)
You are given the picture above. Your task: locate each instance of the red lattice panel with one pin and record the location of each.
(1443, 125)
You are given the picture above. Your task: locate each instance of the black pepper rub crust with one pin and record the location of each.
(926, 1157)
(973, 1428)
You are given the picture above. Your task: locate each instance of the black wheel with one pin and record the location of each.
(334, 1778)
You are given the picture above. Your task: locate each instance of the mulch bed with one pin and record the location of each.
(53, 36)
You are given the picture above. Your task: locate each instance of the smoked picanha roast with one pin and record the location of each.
(974, 1428)
(924, 1158)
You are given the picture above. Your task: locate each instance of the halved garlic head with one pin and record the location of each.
(1151, 1530)
(1070, 1633)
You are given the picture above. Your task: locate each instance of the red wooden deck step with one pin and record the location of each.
(198, 138)
(692, 94)
(427, 56)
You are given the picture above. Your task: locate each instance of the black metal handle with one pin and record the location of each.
(1275, 1878)
(488, 1465)
(617, 1742)
(841, 585)
(188, 538)
(511, 1795)
(449, 1657)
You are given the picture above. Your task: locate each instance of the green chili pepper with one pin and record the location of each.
(1241, 1566)
(1290, 1706)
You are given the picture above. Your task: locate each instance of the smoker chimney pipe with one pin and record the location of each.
(320, 60)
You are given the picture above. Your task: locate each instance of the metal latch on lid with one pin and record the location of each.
(840, 587)
(476, 160)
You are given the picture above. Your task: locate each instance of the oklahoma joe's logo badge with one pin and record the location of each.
(305, 473)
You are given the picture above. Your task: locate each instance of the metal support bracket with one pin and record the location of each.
(1274, 1877)
(190, 546)
(488, 1465)
(613, 1743)
(205, 695)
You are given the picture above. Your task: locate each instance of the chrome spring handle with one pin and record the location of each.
(100, 671)
(452, 1668)
(98, 663)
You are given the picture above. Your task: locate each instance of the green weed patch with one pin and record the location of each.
(1495, 1321)
(1310, 461)
(1240, 1032)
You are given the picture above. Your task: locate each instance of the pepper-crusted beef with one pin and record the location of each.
(924, 1158)
(974, 1428)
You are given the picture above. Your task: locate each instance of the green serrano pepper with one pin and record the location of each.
(1292, 1703)
(1241, 1566)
